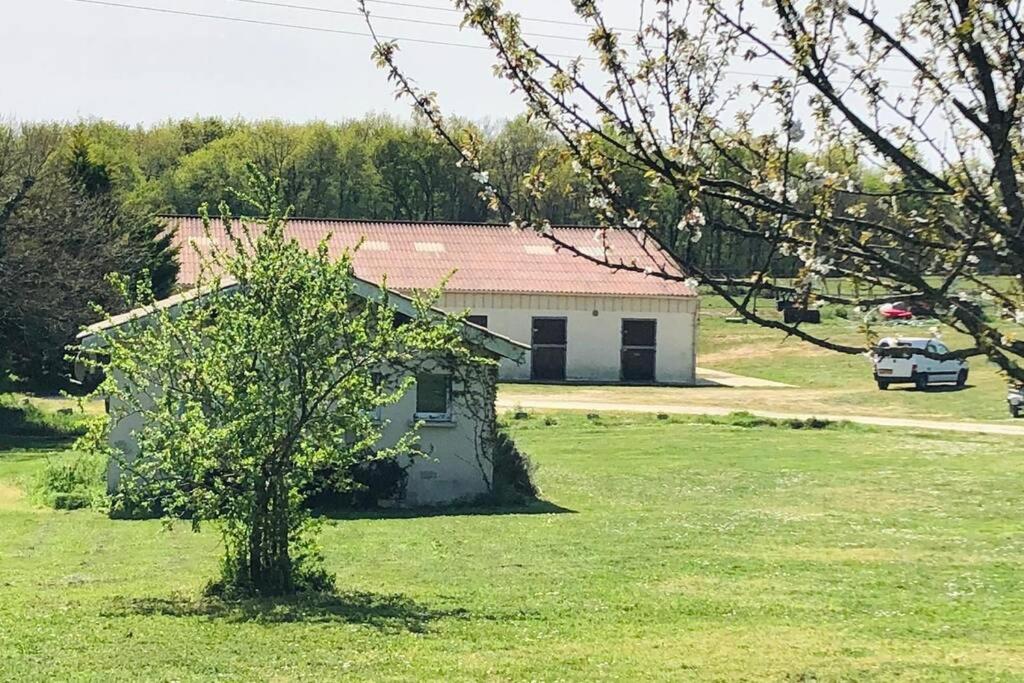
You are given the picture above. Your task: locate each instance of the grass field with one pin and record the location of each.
(841, 383)
(667, 550)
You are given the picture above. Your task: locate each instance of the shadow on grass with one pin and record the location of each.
(392, 612)
(938, 388)
(24, 426)
(537, 507)
(22, 442)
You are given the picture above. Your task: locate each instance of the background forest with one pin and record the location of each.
(81, 200)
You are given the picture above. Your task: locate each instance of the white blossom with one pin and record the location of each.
(482, 177)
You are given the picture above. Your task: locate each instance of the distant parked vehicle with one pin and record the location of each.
(1015, 399)
(896, 311)
(902, 360)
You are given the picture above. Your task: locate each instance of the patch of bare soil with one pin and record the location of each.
(10, 496)
(745, 352)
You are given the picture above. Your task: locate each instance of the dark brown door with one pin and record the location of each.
(639, 347)
(548, 343)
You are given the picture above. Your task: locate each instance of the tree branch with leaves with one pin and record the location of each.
(906, 191)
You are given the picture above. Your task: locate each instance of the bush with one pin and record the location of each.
(376, 481)
(513, 472)
(362, 486)
(72, 483)
(750, 421)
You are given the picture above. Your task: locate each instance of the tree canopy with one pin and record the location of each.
(261, 391)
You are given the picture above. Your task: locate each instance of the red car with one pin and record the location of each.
(896, 311)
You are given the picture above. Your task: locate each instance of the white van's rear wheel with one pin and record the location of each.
(921, 382)
(961, 379)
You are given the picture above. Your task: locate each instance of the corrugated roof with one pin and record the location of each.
(484, 257)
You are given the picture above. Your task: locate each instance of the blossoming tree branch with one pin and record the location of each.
(885, 149)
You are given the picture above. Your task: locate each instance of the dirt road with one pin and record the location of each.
(542, 402)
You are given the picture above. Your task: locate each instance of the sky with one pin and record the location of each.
(67, 60)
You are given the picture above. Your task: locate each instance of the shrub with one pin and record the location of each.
(376, 481)
(749, 420)
(72, 483)
(363, 486)
(513, 472)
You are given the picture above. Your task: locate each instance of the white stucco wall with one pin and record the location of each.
(593, 331)
(451, 471)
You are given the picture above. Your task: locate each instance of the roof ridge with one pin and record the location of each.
(389, 221)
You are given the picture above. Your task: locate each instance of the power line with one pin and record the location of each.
(444, 24)
(279, 24)
(337, 31)
(349, 13)
(559, 22)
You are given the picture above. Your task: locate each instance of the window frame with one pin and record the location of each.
(433, 416)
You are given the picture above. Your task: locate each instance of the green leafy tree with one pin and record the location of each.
(255, 388)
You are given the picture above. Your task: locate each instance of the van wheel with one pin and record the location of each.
(921, 382)
(883, 384)
(961, 379)
(1014, 411)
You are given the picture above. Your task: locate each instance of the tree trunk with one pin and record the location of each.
(269, 561)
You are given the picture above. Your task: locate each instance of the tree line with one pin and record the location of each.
(373, 167)
(81, 200)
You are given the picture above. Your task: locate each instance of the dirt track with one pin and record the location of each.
(542, 402)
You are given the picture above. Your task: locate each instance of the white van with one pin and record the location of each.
(900, 360)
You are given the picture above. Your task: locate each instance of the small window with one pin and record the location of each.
(480, 320)
(433, 397)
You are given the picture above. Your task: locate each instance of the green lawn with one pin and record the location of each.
(685, 551)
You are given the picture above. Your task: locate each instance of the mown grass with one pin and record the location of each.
(842, 383)
(686, 549)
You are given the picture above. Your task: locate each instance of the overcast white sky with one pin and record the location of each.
(66, 60)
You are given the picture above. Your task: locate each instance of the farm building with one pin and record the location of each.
(584, 321)
(459, 426)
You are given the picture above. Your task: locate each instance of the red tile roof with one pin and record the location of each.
(484, 257)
